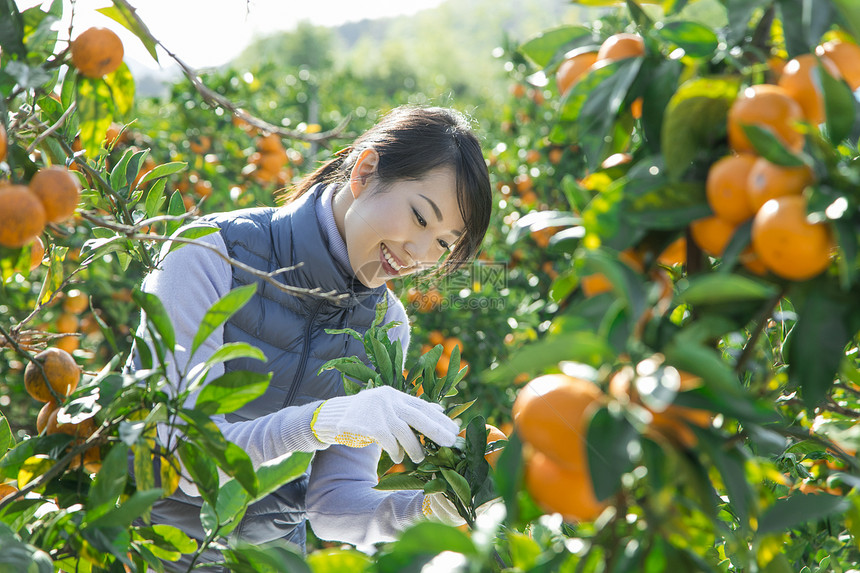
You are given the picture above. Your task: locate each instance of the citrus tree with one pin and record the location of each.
(692, 405)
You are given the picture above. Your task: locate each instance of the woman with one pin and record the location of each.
(410, 194)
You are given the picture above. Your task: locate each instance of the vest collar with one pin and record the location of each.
(309, 245)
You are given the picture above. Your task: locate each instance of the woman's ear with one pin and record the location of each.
(365, 166)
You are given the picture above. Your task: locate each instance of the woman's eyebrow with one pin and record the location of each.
(434, 206)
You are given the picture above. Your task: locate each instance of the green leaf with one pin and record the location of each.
(335, 560)
(353, 367)
(717, 288)
(163, 170)
(398, 481)
(549, 46)
(797, 509)
(609, 437)
(839, 106)
(221, 311)
(850, 12)
(459, 484)
(117, 174)
(155, 199)
(695, 120)
(817, 343)
(144, 472)
(175, 208)
(109, 482)
(191, 233)
(233, 350)
(273, 474)
(157, 315)
(770, 147)
(120, 85)
(420, 543)
(139, 503)
(231, 391)
(697, 40)
(273, 558)
(166, 541)
(202, 469)
(382, 360)
(95, 112)
(7, 440)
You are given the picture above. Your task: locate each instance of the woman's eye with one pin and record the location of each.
(420, 219)
(444, 244)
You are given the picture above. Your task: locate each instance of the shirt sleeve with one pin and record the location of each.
(343, 506)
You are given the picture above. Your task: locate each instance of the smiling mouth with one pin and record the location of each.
(390, 262)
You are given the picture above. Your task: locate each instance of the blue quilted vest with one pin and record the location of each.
(290, 330)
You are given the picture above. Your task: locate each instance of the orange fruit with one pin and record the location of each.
(203, 188)
(91, 459)
(442, 365)
(37, 253)
(6, 490)
(22, 216)
(493, 435)
(44, 414)
(96, 52)
(726, 187)
(270, 143)
(621, 46)
(636, 108)
(787, 243)
(595, 284)
(555, 155)
(552, 413)
(200, 145)
(76, 302)
(768, 181)
(67, 323)
(68, 343)
(58, 190)
(449, 343)
(675, 253)
(82, 429)
(798, 81)
(561, 489)
(112, 133)
(61, 370)
(846, 57)
(4, 144)
(712, 234)
(572, 69)
(435, 337)
(769, 107)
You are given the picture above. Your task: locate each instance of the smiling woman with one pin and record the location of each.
(411, 193)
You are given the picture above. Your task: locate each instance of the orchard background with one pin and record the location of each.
(666, 301)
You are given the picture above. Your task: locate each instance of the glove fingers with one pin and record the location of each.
(407, 440)
(432, 423)
(391, 445)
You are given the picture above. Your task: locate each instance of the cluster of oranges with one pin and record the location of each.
(50, 378)
(448, 344)
(579, 62)
(424, 301)
(743, 186)
(552, 413)
(270, 161)
(51, 197)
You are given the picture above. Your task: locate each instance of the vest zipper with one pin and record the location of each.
(304, 360)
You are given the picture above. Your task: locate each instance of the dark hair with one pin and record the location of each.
(411, 141)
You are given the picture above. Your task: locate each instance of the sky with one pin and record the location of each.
(211, 32)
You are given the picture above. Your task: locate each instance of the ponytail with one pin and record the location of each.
(329, 172)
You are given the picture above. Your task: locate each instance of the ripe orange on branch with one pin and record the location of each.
(572, 69)
(58, 190)
(22, 216)
(798, 81)
(493, 435)
(846, 57)
(97, 52)
(787, 243)
(621, 46)
(768, 181)
(769, 107)
(712, 234)
(561, 489)
(552, 412)
(726, 187)
(61, 371)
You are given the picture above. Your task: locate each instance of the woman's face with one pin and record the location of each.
(404, 228)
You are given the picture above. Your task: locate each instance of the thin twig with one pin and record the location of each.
(217, 99)
(749, 348)
(267, 277)
(45, 134)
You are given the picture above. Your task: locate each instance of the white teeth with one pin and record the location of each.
(390, 259)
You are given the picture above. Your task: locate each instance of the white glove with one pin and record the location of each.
(385, 416)
(437, 507)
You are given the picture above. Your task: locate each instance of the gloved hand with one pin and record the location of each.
(385, 416)
(439, 508)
